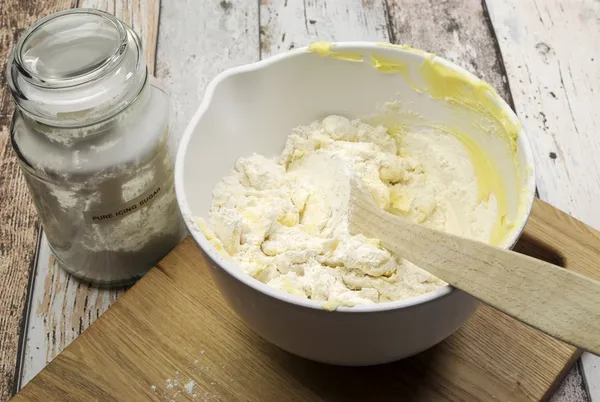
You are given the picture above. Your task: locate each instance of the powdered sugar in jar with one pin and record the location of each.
(91, 130)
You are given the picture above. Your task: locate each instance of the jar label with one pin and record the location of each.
(118, 211)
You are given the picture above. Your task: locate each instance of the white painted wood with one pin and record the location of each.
(62, 308)
(551, 54)
(197, 40)
(141, 15)
(34, 353)
(289, 24)
(550, 50)
(591, 367)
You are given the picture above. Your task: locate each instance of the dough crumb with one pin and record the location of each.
(269, 217)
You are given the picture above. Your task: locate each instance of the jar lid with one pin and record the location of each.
(76, 68)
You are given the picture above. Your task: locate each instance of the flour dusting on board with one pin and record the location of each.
(190, 386)
(182, 387)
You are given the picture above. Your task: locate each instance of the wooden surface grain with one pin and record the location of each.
(172, 336)
(61, 307)
(18, 219)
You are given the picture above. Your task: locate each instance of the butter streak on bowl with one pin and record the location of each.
(459, 89)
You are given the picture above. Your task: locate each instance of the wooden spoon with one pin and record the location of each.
(561, 303)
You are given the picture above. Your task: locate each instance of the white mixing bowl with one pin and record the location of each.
(252, 108)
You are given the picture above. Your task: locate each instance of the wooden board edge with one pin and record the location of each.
(562, 375)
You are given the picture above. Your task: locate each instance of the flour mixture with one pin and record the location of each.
(268, 218)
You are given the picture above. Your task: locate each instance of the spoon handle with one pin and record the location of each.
(559, 302)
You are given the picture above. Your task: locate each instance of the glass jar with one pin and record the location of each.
(90, 131)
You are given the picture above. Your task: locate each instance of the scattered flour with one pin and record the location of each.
(181, 387)
(190, 386)
(270, 219)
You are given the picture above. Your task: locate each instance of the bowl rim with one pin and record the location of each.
(232, 269)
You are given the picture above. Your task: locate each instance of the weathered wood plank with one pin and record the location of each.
(198, 40)
(141, 15)
(18, 220)
(551, 54)
(591, 369)
(457, 30)
(61, 307)
(289, 24)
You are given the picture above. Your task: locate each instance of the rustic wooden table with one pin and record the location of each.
(541, 56)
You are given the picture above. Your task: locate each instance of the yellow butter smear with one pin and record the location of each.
(324, 49)
(444, 83)
(332, 305)
(488, 183)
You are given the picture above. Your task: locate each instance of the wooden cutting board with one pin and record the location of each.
(172, 337)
